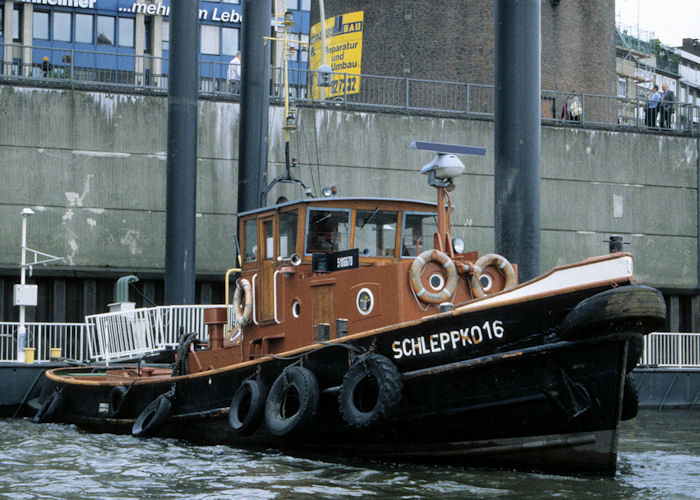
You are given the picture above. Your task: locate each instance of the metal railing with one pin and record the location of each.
(126, 335)
(71, 338)
(75, 68)
(671, 350)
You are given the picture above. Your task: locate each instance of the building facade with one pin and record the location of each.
(454, 41)
(126, 40)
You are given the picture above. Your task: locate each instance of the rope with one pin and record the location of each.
(180, 364)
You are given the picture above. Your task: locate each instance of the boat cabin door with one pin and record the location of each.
(266, 267)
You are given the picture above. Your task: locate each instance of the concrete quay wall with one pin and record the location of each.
(92, 165)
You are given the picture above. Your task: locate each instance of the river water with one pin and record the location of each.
(659, 457)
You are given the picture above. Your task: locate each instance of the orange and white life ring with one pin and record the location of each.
(448, 267)
(242, 315)
(491, 259)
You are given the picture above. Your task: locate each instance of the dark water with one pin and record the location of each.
(659, 458)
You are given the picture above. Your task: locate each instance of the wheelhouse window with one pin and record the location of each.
(327, 230)
(418, 231)
(250, 240)
(288, 232)
(375, 233)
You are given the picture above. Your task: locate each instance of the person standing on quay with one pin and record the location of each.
(233, 76)
(653, 107)
(667, 101)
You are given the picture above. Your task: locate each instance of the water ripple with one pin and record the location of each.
(659, 458)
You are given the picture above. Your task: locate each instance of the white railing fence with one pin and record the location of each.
(71, 338)
(672, 350)
(133, 334)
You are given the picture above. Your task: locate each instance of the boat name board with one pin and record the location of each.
(438, 342)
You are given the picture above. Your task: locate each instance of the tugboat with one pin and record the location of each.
(361, 327)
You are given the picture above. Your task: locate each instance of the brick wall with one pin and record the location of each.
(453, 40)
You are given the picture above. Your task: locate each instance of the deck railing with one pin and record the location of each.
(127, 72)
(133, 334)
(71, 338)
(671, 350)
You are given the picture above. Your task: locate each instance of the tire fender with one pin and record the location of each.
(292, 402)
(152, 417)
(50, 407)
(631, 307)
(374, 374)
(247, 407)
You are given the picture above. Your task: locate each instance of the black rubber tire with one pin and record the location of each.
(152, 417)
(634, 352)
(630, 400)
(292, 402)
(639, 308)
(50, 407)
(247, 407)
(116, 399)
(375, 378)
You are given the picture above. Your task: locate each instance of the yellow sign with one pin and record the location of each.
(343, 53)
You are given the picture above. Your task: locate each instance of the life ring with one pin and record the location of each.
(49, 407)
(491, 259)
(634, 307)
(116, 399)
(371, 390)
(243, 314)
(247, 407)
(448, 266)
(152, 417)
(630, 400)
(292, 402)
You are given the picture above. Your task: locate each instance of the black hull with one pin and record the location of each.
(510, 393)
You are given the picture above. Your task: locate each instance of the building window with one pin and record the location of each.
(622, 87)
(229, 41)
(40, 25)
(105, 30)
(305, 4)
(166, 36)
(231, 1)
(83, 28)
(292, 4)
(148, 35)
(62, 26)
(210, 39)
(16, 25)
(126, 31)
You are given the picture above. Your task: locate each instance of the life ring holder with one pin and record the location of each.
(448, 266)
(242, 314)
(491, 259)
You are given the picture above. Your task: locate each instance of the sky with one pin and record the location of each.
(670, 20)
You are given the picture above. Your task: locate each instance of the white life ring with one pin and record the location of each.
(448, 266)
(242, 315)
(503, 266)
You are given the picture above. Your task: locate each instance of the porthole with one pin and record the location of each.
(365, 301)
(437, 282)
(486, 282)
(296, 308)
